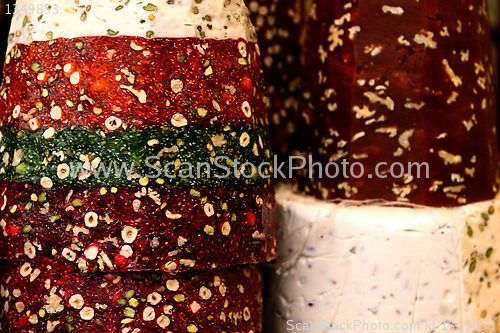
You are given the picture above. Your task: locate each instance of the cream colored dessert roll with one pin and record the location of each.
(41, 20)
(352, 267)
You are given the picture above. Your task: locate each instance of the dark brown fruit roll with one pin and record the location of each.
(278, 26)
(45, 297)
(122, 229)
(400, 82)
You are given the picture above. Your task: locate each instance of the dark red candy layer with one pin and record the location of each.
(174, 81)
(111, 229)
(39, 298)
(404, 82)
(278, 24)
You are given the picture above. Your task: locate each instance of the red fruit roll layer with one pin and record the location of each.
(119, 82)
(278, 25)
(51, 298)
(111, 229)
(405, 82)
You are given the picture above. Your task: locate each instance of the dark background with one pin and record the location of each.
(494, 10)
(4, 27)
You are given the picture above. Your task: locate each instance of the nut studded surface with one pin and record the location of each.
(218, 155)
(405, 83)
(131, 229)
(278, 24)
(87, 80)
(47, 298)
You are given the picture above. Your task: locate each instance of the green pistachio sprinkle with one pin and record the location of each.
(472, 266)
(469, 231)
(49, 35)
(112, 32)
(485, 216)
(79, 45)
(181, 58)
(491, 210)
(129, 294)
(27, 228)
(42, 197)
(84, 16)
(149, 34)
(488, 252)
(35, 66)
(121, 301)
(150, 7)
(77, 202)
(54, 218)
(120, 7)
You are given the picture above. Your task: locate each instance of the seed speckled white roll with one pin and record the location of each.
(339, 262)
(217, 19)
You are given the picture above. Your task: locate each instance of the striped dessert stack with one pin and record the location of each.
(129, 197)
(392, 82)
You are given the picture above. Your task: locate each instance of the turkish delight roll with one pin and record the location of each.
(278, 27)
(133, 229)
(378, 267)
(134, 137)
(404, 83)
(48, 298)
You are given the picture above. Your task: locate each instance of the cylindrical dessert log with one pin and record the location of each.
(120, 82)
(365, 264)
(51, 298)
(132, 229)
(143, 129)
(213, 156)
(278, 27)
(407, 82)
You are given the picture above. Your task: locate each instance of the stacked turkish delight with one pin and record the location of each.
(392, 85)
(131, 134)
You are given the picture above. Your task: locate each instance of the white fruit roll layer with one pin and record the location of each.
(341, 263)
(42, 20)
